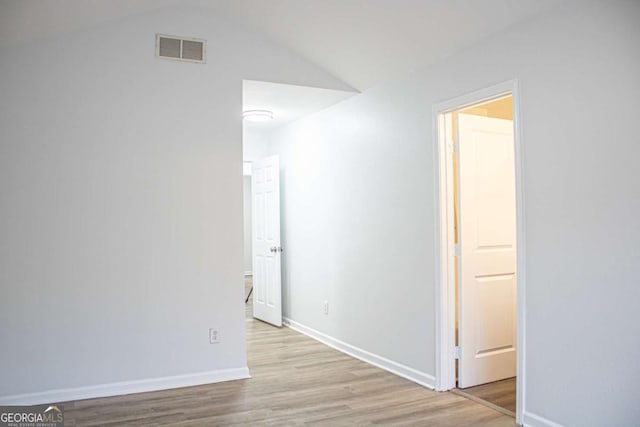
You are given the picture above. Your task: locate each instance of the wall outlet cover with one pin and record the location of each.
(214, 336)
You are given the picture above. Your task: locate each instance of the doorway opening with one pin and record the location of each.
(480, 247)
(268, 108)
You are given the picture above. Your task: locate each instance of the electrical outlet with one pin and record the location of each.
(214, 336)
(325, 307)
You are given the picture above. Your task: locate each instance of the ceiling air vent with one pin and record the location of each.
(180, 48)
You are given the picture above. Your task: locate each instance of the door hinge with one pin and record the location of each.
(456, 146)
(456, 352)
(456, 249)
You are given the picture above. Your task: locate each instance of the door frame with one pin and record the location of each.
(444, 267)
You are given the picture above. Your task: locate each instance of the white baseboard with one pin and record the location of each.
(248, 273)
(411, 374)
(533, 420)
(126, 387)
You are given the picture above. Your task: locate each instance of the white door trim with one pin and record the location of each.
(445, 285)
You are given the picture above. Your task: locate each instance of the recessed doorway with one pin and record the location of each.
(480, 207)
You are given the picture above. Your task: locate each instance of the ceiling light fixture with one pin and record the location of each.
(257, 115)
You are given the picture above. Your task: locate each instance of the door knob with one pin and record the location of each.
(273, 249)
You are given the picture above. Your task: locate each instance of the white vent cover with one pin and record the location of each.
(180, 48)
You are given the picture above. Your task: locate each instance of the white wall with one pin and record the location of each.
(246, 210)
(121, 208)
(360, 235)
(255, 144)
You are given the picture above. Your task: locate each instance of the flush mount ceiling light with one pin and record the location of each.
(257, 115)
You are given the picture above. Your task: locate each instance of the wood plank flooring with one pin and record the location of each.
(296, 381)
(499, 393)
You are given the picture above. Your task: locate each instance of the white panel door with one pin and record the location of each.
(487, 293)
(265, 196)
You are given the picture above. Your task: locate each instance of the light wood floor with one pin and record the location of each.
(499, 393)
(296, 381)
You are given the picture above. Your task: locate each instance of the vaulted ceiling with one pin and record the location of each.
(362, 42)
